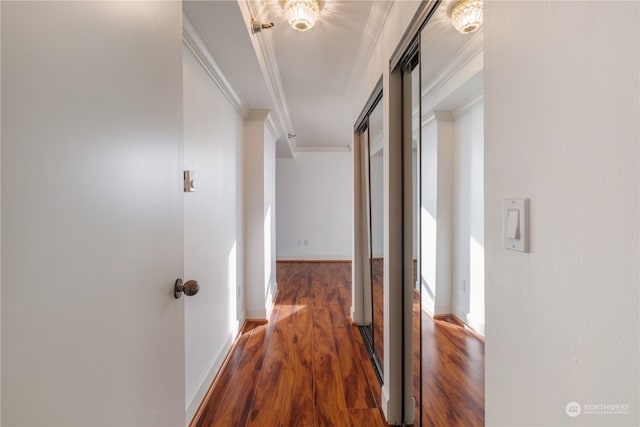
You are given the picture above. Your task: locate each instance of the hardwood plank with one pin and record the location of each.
(452, 375)
(301, 279)
(417, 380)
(337, 315)
(328, 394)
(299, 409)
(308, 366)
(221, 383)
(367, 367)
(271, 389)
(235, 407)
(366, 417)
(354, 382)
(319, 293)
(377, 295)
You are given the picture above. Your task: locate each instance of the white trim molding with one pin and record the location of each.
(321, 148)
(192, 39)
(265, 54)
(257, 115)
(271, 126)
(443, 116)
(375, 23)
(471, 105)
(428, 121)
(278, 122)
(464, 56)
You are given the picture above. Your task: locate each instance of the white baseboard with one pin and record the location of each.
(194, 401)
(442, 309)
(256, 313)
(474, 323)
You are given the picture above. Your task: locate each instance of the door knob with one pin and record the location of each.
(189, 289)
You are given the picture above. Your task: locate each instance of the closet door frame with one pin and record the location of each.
(401, 402)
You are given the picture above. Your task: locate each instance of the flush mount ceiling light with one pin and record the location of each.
(466, 15)
(301, 14)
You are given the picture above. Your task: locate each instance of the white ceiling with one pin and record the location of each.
(316, 66)
(308, 73)
(220, 24)
(304, 78)
(451, 64)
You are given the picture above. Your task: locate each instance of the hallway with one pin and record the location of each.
(308, 366)
(303, 368)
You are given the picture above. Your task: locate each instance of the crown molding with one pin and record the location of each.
(443, 116)
(464, 56)
(375, 23)
(437, 117)
(257, 115)
(428, 122)
(271, 126)
(263, 116)
(322, 148)
(192, 39)
(265, 53)
(472, 104)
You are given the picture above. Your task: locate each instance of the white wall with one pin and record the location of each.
(315, 203)
(468, 230)
(436, 212)
(212, 228)
(562, 128)
(259, 218)
(92, 214)
(270, 209)
(428, 215)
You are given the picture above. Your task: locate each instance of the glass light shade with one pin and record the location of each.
(301, 14)
(466, 15)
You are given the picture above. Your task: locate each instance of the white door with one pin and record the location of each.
(92, 214)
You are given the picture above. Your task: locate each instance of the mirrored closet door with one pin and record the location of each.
(376, 246)
(451, 187)
(369, 135)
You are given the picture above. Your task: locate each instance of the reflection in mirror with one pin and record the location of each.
(376, 247)
(451, 267)
(414, 81)
(370, 136)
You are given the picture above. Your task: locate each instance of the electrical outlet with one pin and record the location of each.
(299, 242)
(464, 286)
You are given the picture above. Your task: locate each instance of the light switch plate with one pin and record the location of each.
(521, 206)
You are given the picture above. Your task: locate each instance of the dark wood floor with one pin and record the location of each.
(308, 366)
(305, 367)
(452, 374)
